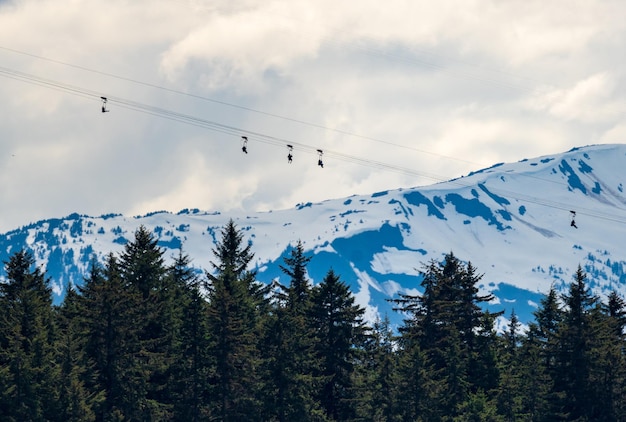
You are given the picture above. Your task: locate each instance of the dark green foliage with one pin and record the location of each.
(76, 402)
(188, 384)
(112, 341)
(236, 303)
(339, 335)
(27, 332)
(143, 341)
(451, 337)
(378, 376)
(143, 273)
(510, 398)
(288, 347)
(573, 361)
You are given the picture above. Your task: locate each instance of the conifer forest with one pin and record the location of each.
(142, 340)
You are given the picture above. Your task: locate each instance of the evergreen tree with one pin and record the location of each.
(617, 321)
(76, 402)
(457, 337)
(483, 371)
(298, 294)
(607, 373)
(143, 272)
(340, 332)
(27, 333)
(574, 363)
(111, 322)
(236, 304)
(190, 372)
(378, 370)
(544, 395)
(615, 309)
(418, 389)
(510, 386)
(288, 346)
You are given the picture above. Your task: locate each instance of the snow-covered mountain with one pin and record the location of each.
(511, 221)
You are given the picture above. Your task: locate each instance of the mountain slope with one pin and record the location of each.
(512, 221)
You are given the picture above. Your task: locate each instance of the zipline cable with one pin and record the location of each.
(208, 99)
(260, 137)
(240, 107)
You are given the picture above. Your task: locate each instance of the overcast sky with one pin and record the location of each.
(395, 93)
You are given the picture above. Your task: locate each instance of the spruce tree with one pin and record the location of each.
(509, 362)
(76, 401)
(190, 371)
(378, 375)
(457, 337)
(111, 322)
(610, 369)
(236, 304)
(606, 367)
(575, 339)
(27, 334)
(544, 394)
(288, 346)
(417, 385)
(339, 338)
(615, 309)
(143, 272)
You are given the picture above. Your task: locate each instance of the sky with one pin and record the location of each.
(395, 94)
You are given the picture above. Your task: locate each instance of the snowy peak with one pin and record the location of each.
(512, 221)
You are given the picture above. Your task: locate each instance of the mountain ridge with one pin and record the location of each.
(512, 221)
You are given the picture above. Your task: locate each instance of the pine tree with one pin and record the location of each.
(572, 364)
(615, 308)
(418, 389)
(143, 273)
(543, 395)
(111, 325)
(510, 386)
(27, 333)
(76, 402)
(236, 304)
(457, 337)
(340, 332)
(607, 373)
(378, 375)
(190, 371)
(288, 346)
(298, 293)
(575, 337)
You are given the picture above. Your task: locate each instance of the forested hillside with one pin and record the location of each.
(142, 340)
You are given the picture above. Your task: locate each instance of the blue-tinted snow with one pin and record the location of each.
(572, 178)
(417, 198)
(395, 233)
(498, 199)
(474, 208)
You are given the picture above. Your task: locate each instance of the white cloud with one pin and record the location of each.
(615, 135)
(589, 100)
(431, 90)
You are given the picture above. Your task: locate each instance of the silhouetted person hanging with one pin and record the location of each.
(104, 105)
